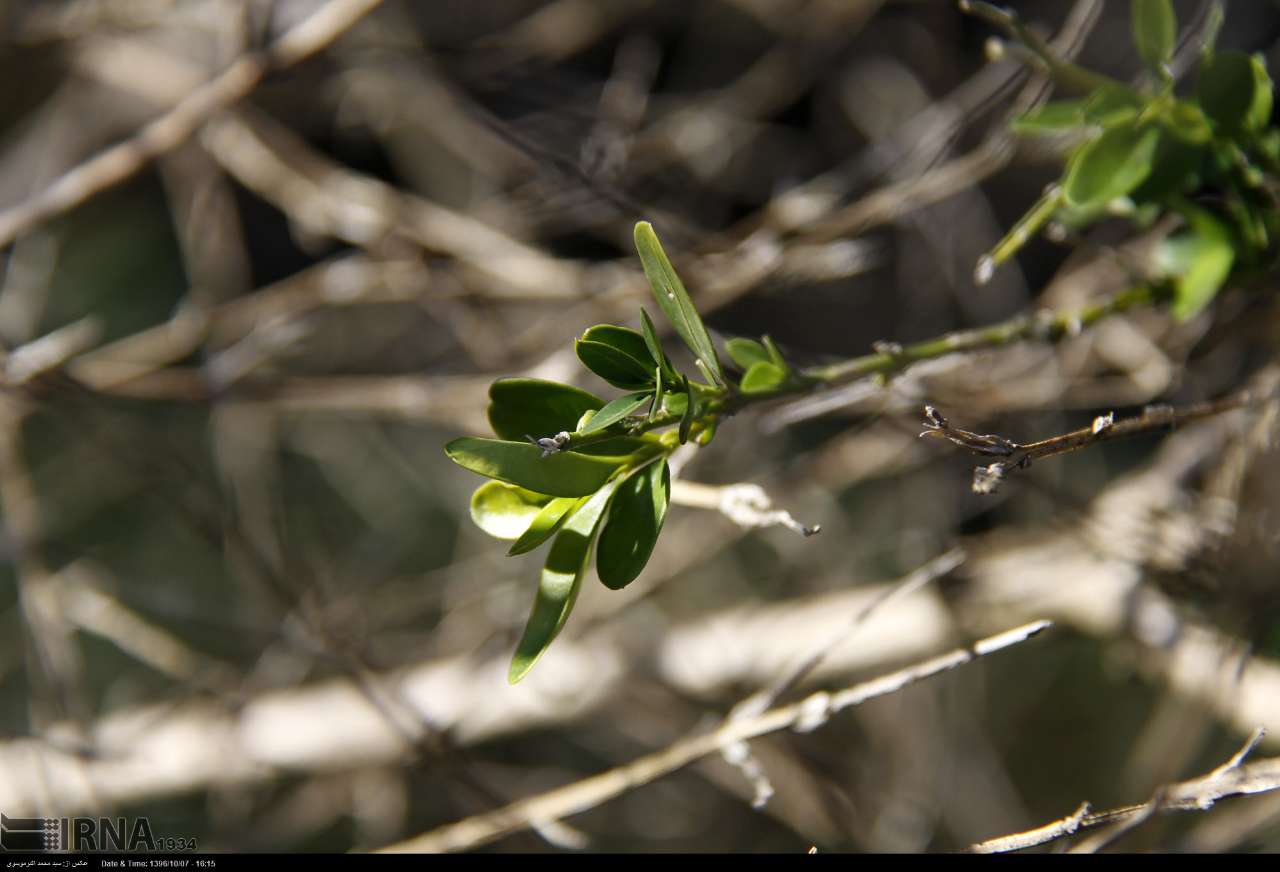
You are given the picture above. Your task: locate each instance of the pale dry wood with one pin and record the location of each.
(804, 715)
(119, 162)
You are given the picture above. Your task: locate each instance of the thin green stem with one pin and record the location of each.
(890, 359)
(1062, 71)
(1044, 326)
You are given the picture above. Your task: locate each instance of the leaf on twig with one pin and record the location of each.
(567, 562)
(674, 300)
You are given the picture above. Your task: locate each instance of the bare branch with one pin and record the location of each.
(1197, 794)
(593, 791)
(120, 161)
(1018, 455)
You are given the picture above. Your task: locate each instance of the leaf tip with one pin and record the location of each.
(520, 666)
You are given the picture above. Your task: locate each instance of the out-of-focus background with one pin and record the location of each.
(241, 594)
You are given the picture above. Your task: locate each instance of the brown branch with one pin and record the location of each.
(1018, 455)
(1197, 794)
(121, 161)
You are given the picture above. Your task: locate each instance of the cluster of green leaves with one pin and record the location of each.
(582, 473)
(1211, 157)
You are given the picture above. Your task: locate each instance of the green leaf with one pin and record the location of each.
(745, 352)
(546, 522)
(1235, 91)
(655, 349)
(707, 433)
(1110, 166)
(503, 510)
(567, 562)
(675, 404)
(616, 367)
(762, 377)
(565, 474)
(1155, 30)
(674, 300)
(523, 407)
(1050, 119)
(656, 406)
(625, 340)
(690, 412)
(1112, 105)
(1188, 123)
(774, 354)
(616, 411)
(635, 520)
(1199, 260)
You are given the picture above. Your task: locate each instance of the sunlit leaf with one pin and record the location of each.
(543, 524)
(675, 404)
(774, 353)
(707, 433)
(567, 562)
(1187, 122)
(762, 377)
(564, 474)
(659, 394)
(615, 411)
(1051, 118)
(635, 519)
(1110, 166)
(674, 300)
(504, 510)
(745, 352)
(1199, 260)
(1112, 105)
(523, 407)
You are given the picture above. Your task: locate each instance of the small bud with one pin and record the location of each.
(985, 269)
(550, 444)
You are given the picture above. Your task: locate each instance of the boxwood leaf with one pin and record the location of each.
(1155, 29)
(635, 519)
(1199, 260)
(745, 352)
(565, 474)
(774, 354)
(505, 510)
(1050, 119)
(546, 522)
(674, 300)
(656, 406)
(1112, 105)
(762, 377)
(655, 349)
(567, 562)
(1235, 91)
(675, 404)
(1110, 166)
(624, 339)
(616, 367)
(616, 411)
(690, 412)
(523, 407)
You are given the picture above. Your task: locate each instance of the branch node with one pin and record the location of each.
(551, 444)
